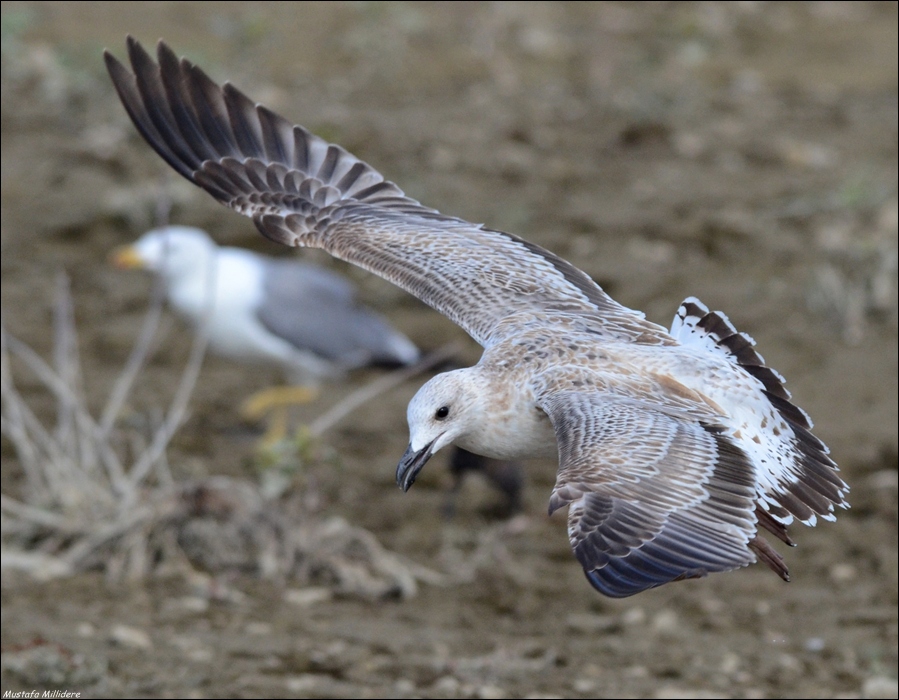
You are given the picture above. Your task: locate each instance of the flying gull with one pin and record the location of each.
(675, 447)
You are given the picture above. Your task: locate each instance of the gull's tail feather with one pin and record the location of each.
(797, 478)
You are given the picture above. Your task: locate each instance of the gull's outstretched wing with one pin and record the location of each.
(653, 497)
(302, 191)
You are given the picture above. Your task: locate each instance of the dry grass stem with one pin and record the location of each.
(79, 495)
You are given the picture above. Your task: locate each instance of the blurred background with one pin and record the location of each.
(744, 153)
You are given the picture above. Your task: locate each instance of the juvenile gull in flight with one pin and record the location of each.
(675, 447)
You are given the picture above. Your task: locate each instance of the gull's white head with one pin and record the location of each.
(170, 251)
(445, 410)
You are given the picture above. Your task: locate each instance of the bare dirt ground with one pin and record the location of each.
(745, 153)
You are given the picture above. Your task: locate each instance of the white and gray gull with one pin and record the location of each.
(675, 447)
(257, 308)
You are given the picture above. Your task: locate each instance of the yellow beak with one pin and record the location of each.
(126, 257)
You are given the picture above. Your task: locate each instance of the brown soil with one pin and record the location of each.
(744, 153)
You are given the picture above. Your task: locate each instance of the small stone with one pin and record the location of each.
(880, 688)
(843, 573)
(200, 654)
(404, 686)
(303, 683)
(193, 649)
(307, 596)
(730, 664)
(446, 685)
(126, 636)
(668, 692)
(491, 692)
(713, 606)
(634, 616)
(807, 155)
(789, 663)
(689, 145)
(814, 644)
(190, 604)
(588, 623)
(665, 622)
(584, 685)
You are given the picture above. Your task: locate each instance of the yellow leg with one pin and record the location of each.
(274, 402)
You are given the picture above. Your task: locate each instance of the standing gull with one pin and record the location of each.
(675, 447)
(293, 314)
(297, 316)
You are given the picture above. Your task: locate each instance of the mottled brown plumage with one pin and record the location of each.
(674, 447)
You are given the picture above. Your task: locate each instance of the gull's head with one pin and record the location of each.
(170, 251)
(445, 409)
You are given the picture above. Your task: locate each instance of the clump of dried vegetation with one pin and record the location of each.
(94, 488)
(98, 493)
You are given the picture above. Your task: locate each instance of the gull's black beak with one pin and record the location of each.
(410, 464)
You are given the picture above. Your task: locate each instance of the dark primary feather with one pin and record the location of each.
(300, 190)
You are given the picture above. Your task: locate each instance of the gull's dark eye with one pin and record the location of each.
(442, 412)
